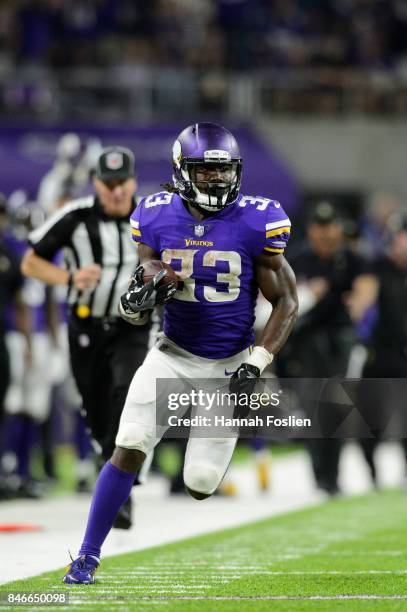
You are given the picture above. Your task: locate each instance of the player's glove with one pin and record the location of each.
(244, 379)
(243, 383)
(136, 318)
(141, 296)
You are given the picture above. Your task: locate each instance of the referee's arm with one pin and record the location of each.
(37, 267)
(46, 241)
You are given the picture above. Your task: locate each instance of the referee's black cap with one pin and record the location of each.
(323, 213)
(115, 163)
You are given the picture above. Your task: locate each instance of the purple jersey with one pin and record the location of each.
(212, 312)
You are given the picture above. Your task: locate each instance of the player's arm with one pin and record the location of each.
(136, 305)
(146, 253)
(276, 281)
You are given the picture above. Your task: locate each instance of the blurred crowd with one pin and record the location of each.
(237, 34)
(59, 58)
(352, 282)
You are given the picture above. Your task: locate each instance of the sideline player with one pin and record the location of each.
(224, 246)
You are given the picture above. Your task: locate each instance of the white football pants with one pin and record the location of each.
(206, 459)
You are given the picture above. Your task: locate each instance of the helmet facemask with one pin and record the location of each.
(210, 185)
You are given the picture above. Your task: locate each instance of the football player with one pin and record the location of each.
(224, 246)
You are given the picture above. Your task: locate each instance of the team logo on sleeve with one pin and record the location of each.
(114, 160)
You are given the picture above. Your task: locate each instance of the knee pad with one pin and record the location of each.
(135, 436)
(201, 478)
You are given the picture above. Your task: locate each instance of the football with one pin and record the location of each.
(152, 267)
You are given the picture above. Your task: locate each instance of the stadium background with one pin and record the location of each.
(316, 93)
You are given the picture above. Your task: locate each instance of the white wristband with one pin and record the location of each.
(260, 357)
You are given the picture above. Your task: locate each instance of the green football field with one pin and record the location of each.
(347, 554)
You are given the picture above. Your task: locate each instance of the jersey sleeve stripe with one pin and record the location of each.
(135, 232)
(134, 223)
(276, 232)
(282, 223)
(274, 250)
(278, 243)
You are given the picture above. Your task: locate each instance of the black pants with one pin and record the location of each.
(320, 353)
(384, 397)
(104, 356)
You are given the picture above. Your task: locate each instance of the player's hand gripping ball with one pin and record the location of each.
(154, 282)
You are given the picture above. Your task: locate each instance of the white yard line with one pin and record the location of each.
(158, 518)
(262, 598)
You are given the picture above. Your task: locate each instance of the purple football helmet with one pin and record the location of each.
(207, 166)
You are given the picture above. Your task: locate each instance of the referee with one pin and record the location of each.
(94, 237)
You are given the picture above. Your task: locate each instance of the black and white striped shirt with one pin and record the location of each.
(85, 235)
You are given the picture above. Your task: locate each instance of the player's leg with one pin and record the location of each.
(112, 489)
(206, 463)
(120, 353)
(135, 439)
(21, 427)
(4, 382)
(207, 459)
(37, 407)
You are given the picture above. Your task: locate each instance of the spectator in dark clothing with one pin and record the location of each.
(335, 288)
(387, 357)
